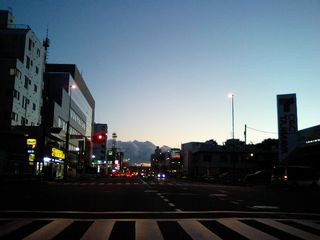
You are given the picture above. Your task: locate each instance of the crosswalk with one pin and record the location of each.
(160, 229)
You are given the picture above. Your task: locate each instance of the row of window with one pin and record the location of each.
(29, 64)
(23, 120)
(31, 46)
(27, 82)
(63, 124)
(77, 119)
(25, 100)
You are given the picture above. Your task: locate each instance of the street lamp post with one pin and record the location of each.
(68, 133)
(231, 95)
(233, 155)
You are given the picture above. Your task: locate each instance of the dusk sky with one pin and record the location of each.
(161, 71)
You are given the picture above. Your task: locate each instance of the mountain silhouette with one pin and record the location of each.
(135, 151)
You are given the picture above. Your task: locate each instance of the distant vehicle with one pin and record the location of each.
(161, 176)
(295, 176)
(259, 177)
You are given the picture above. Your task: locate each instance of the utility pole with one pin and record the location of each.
(245, 134)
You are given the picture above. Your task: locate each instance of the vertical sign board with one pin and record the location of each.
(287, 124)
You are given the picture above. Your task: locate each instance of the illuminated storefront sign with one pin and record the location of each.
(56, 153)
(31, 141)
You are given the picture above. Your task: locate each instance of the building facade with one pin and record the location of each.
(22, 65)
(69, 119)
(100, 147)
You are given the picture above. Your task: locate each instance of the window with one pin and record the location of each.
(37, 70)
(23, 121)
(35, 88)
(34, 106)
(25, 102)
(26, 82)
(30, 44)
(18, 74)
(28, 62)
(38, 52)
(14, 116)
(16, 94)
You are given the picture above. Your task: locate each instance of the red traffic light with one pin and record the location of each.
(98, 138)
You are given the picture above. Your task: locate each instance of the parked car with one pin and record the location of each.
(295, 176)
(259, 177)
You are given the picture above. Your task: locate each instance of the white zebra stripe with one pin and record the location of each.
(99, 230)
(50, 230)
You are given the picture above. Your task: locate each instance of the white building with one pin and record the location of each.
(21, 69)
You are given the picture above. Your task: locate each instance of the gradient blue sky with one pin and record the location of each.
(161, 70)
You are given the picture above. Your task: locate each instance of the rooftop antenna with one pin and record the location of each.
(46, 45)
(114, 140)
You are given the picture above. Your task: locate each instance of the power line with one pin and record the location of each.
(261, 130)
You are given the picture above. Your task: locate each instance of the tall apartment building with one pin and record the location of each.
(21, 69)
(22, 65)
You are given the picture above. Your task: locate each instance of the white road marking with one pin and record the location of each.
(197, 231)
(218, 195)
(12, 226)
(292, 230)
(99, 230)
(263, 207)
(50, 230)
(246, 230)
(147, 229)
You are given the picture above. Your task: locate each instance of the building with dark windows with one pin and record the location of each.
(22, 65)
(99, 140)
(233, 158)
(68, 104)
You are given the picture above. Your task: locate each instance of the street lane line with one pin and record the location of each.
(50, 230)
(223, 191)
(218, 195)
(151, 191)
(246, 230)
(197, 231)
(263, 207)
(12, 226)
(99, 230)
(148, 229)
(309, 224)
(289, 229)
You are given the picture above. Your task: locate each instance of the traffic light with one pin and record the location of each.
(98, 138)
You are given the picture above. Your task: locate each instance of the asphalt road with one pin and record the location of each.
(132, 208)
(135, 194)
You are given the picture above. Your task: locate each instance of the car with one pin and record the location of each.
(259, 177)
(296, 176)
(161, 176)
